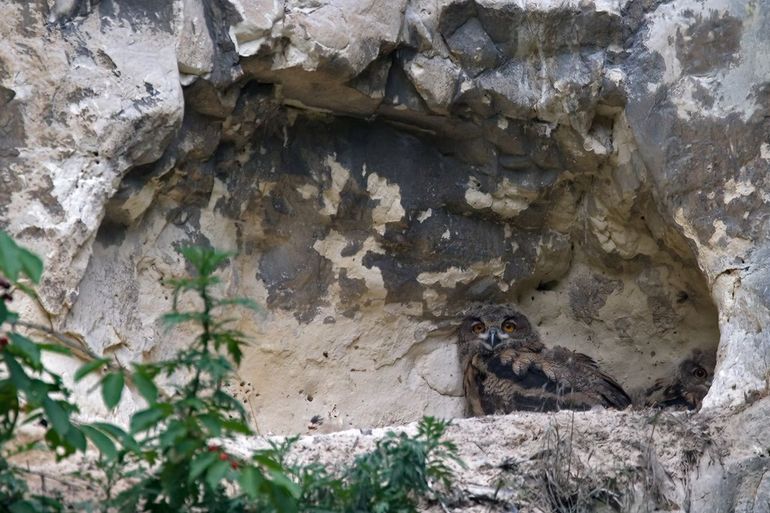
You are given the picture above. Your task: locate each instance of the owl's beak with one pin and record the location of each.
(493, 337)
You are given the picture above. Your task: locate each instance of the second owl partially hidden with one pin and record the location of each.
(507, 368)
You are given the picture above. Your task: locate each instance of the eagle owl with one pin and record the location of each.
(688, 385)
(507, 368)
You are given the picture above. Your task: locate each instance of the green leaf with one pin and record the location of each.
(88, 368)
(201, 462)
(205, 260)
(240, 301)
(193, 403)
(228, 402)
(25, 348)
(23, 506)
(31, 264)
(212, 422)
(54, 348)
(145, 419)
(57, 442)
(282, 480)
(39, 390)
(19, 378)
(112, 388)
(232, 340)
(236, 426)
(173, 318)
(267, 462)
(101, 441)
(57, 416)
(251, 480)
(119, 435)
(215, 472)
(146, 386)
(9, 257)
(174, 431)
(186, 447)
(74, 438)
(15, 259)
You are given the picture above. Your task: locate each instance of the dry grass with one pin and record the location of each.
(569, 480)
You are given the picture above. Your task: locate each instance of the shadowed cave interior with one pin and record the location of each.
(366, 240)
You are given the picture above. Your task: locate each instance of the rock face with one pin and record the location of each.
(379, 166)
(595, 461)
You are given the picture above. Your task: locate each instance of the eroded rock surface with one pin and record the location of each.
(595, 461)
(378, 166)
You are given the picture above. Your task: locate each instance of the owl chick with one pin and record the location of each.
(687, 387)
(507, 368)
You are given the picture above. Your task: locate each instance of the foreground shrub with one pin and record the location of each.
(172, 458)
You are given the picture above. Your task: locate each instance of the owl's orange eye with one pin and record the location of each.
(699, 373)
(509, 326)
(478, 327)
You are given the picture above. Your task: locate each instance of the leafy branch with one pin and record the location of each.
(171, 458)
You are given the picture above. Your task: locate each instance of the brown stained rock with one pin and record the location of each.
(709, 43)
(589, 294)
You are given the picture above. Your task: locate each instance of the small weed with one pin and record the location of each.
(569, 484)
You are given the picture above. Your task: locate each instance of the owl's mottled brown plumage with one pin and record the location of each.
(688, 385)
(507, 368)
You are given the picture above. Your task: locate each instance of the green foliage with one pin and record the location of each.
(173, 453)
(181, 468)
(392, 478)
(16, 261)
(29, 392)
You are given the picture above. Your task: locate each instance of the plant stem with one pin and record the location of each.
(205, 336)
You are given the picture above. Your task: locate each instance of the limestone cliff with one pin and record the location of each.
(377, 166)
